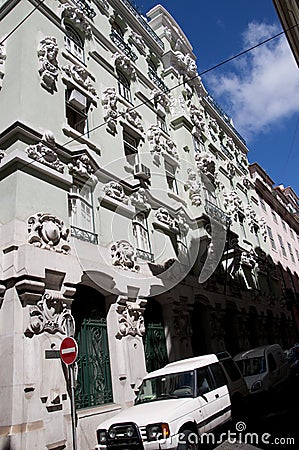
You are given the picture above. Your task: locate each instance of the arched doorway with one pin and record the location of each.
(253, 329)
(154, 339)
(94, 379)
(200, 332)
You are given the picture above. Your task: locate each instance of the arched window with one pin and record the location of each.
(74, 43)
(124, 88)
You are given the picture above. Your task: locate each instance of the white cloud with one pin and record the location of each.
(262, 88)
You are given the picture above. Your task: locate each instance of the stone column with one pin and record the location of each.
(125, 324)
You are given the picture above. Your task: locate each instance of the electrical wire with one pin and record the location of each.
(21, 23)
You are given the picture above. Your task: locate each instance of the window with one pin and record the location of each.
(77, 106)
(161, 122)
(130, 147)
(297, 253)
(263, 204)
(274, 216)
(170, 177)
(198, 145)
(140, 231)
(291, 252)
(283, 225)
(124, 88)
(282, 246)
(81, 209)
(292, 234)
(218, 375)
(74, 43)
(271, 363)
(270, 234)
(116, 28)
(204, 381)
(231, 369)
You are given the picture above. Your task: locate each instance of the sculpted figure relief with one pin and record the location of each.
(47, 53)
(48, 231)
(123, 255)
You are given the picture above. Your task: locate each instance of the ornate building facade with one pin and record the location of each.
(129, 216)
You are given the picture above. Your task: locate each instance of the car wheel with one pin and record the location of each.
(189, 440)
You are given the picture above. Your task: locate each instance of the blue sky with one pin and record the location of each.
(260, 90)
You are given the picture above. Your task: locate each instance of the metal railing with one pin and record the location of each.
(84, 235)
(216, 213)
(224, 116)
(86, 8)
(157, 80)
(131, 6)
(147, 256)
(122, 45)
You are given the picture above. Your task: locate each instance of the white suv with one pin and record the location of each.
(173, 406)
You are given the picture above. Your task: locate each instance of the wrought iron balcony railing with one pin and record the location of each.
(157, 80)
(224, 116)
(84, 235)
(216, 213)
(86, 8)
(130, 5)
(226, 152)
(122, 45)
(147, 256)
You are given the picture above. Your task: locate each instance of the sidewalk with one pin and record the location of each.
(229, 446)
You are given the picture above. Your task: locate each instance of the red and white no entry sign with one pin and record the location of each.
(68, 350)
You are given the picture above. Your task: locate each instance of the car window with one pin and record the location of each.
(204, 381)
(231, 369)
(218, 374)
(271, 363)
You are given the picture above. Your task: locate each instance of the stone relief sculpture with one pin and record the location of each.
(123, 255)
(134, 118)
(163, 216)
(109, 102)
(2, 154)
(198, 119)
(249, 259)
(140, 201)
(263, 228)
(181, 221)
(214, 125)
(251, 218)
(81, 76)
(47, 53)
(2, 62)
(116, 191)
(81, 166)
(50, 315)
(186, 64)
(45, 153)
(231, 170)
(232, 204)
(162, 99)
(193, 186)
(138, 41)
(205, 164)
(48, 232)
(77, 16)
(160, 144)
(124, 63)
(130, 320)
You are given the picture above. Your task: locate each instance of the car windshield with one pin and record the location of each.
(252, 366)
(176, 385)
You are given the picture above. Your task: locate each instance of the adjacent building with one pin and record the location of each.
(288, 13)
(129, 216)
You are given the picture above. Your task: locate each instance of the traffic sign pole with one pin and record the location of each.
(68, 354)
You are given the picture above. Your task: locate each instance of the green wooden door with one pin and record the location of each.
(155, 347)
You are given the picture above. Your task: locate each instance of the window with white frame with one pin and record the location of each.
(283, 250)
(263, 204)
(81, 208)
(198, 145)
(141, 234)
(161, 122)
(274, 216)
(291, 252)
(74, 43)
(170, 177)
(270, 234)
(124, 87)
(292, 234)
(76, 110)
(297, 253)
(283, 225)
(242, 226)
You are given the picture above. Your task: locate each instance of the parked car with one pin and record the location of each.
(263, 368)
(293, 359)
(173, 404)
(236, 384)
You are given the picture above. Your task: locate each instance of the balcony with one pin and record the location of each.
(216, 213)
(86, 8)
(226, 152)
(84, 235)
(146, 256)
(157, 80)
(122, 45)
(224, 116)
(130, 5)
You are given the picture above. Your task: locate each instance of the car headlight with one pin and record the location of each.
(102, 437)
(256, 386)
(130, 431)
(157, 431)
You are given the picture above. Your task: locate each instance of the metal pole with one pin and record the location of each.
(72, 395)
(73, 405)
